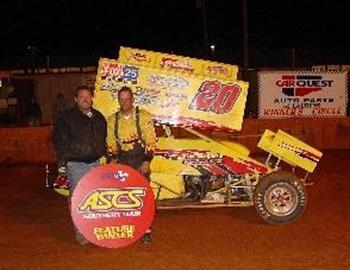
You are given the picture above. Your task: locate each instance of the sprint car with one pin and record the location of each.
(198, 170)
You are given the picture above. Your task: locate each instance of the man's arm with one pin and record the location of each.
(149, 134)
(111, 139)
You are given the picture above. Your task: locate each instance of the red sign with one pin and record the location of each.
(113, 205)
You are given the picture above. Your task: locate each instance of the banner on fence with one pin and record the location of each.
(296, 94)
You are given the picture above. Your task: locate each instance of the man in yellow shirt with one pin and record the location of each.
(131, 137)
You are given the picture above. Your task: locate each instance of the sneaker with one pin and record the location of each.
(146, 239)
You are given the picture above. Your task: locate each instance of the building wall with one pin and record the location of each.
(47, 86)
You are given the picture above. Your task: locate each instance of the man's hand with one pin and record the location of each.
(111, 157)
(102, 160)
(145, 167)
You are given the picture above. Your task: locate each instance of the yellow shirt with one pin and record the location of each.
(127, 131)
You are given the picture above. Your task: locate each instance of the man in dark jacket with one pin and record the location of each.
(79, 139)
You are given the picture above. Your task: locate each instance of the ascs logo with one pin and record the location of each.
(302, 85)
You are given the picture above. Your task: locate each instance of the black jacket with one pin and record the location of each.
(78, 137)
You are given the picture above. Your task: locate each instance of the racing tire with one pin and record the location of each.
(280, 197)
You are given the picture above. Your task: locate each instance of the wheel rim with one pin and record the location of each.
(281, 199)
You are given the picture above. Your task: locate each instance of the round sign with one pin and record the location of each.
(113, 205)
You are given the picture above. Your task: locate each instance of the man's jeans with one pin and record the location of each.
(75, 171)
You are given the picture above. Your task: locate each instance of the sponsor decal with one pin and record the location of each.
(176, 64)
(118, 175)
(300, 152)
(243, 166)
(139, 57)
(113, 205)
(302, 85)
(167, 82)
(130, 74)
(214, 70)
(213, 163)
(113, 70)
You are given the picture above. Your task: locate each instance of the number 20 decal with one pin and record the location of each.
(216, 97)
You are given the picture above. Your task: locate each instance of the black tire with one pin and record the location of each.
(280, 197)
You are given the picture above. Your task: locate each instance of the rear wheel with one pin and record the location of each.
(280, 197)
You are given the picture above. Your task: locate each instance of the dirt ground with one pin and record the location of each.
(36, 232)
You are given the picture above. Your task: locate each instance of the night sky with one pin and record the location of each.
(97, 28)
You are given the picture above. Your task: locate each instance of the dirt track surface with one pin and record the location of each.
(36, 233)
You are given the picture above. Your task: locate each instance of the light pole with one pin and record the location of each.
(245, 35)
(201, 4)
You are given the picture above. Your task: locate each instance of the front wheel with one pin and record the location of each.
(280, 197)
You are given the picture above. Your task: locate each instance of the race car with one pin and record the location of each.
(194, 170)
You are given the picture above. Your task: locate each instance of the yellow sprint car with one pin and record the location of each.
(194, 170)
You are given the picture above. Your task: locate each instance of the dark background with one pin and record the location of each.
(71, 32)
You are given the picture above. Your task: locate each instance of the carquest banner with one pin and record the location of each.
(302, 94)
